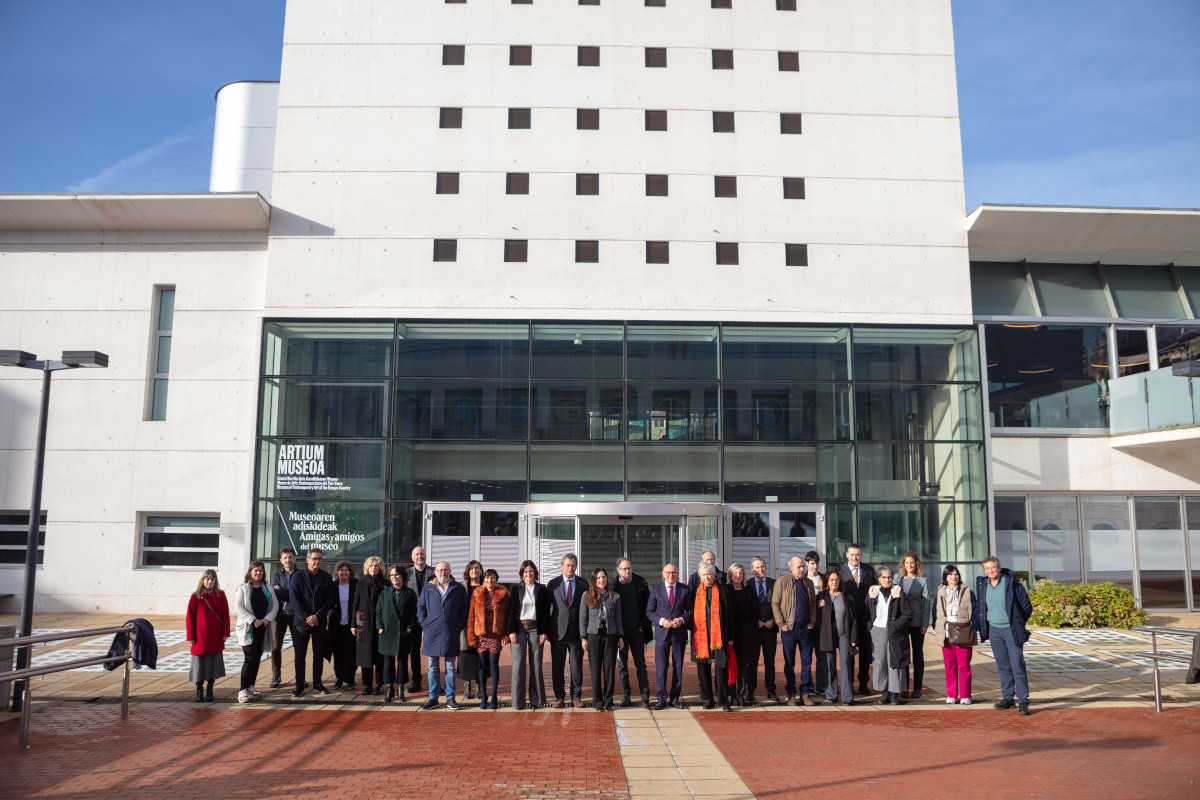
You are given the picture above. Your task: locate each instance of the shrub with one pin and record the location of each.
(1084, 605)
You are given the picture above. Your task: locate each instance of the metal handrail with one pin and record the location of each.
(1156, 656)
(33, 672)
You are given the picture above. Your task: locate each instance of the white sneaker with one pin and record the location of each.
(966, 701)
(253, 692)
(951, 701)
(244, 696)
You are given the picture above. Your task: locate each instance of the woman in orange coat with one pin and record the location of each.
(207, 628)
(487, 631)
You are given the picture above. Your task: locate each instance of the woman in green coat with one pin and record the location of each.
(395, 616)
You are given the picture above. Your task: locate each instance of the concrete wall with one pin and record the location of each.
(359, 146)
(1091, 464)
(105, 463)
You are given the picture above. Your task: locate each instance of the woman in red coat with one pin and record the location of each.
(207, 627)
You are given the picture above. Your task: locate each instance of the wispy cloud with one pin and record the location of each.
(178, 162)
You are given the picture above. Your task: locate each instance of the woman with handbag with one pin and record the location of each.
(207, 627)
(953, 605)
(468, 656)
(395, 616)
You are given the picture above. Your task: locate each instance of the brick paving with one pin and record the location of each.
(84, 752)
(1063, 753)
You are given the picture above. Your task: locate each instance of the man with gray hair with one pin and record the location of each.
(635, 594)
(707, 557)
(768, 634)
(1001, 610)
(566, 592)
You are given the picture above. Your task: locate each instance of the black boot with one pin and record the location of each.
(199, 692)
(208, 695)
(390, 694)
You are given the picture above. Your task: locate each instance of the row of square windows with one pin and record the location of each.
(588, 119)
(587, 183)
(521, 55)
(587, 251)
(780, 5)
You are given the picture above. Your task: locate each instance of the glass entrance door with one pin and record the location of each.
(649, 542)
(458, 533)
(773, 533)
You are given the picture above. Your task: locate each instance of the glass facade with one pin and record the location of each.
(363, 421)
(1048, 376)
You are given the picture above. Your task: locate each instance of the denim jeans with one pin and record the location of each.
(791, 640)
(435, 679)
(1010, 663)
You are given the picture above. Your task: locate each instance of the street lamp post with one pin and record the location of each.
(18, 358)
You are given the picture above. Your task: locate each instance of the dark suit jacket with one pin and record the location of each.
(858, 593)
(657, 609)
(765, 614)
(564, 619)
(541, 607)
(312, 595)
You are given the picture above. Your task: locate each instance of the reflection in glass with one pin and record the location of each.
(1161, 558)
(348, 470)
(1000, 289)
(1144, 292)
(908, 412)
(915, 354)
(1133, 353)
(841, 530)
(768, 412)
(920, 471)
(1189, 277)
(578, 350)
(789, 473)
(578, 409)
(1193, 524)
(784, 352)
(1177, 344)
(350, 531)
(432, 409)
(1069, 290)
(672, 351)
(454, 472)
(499, 543)
(1048, 376)
(797, 537)
(674, 472)
(1055, 538)
(325, 407)
(937, 532)
(407, 532)
(462, 349)
(1108, 540)
(1012, 536)
(673, 411)
(301, 347)
(577, 472)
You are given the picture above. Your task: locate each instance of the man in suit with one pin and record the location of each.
(708, 557)
(311, 592)
(666, 609)
(566, 592)
(857, 579)
(419, 574)
(768, 634)
(442, 612)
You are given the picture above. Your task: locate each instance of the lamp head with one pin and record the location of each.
(15, 358)
(84, 358)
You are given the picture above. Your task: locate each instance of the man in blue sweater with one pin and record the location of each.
(1001, 608)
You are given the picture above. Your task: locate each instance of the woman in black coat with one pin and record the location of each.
(743, 604)
(395, 619)
(888, 618)
(366, 598)
(837, 629)
(342, 626)
(708, 617)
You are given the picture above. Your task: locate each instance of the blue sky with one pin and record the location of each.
(1082, 102)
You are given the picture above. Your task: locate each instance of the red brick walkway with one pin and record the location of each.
(1086, 753)
(177, 752)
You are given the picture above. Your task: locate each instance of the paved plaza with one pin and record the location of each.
(1094, 722)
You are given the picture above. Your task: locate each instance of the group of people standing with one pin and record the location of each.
(383, 622)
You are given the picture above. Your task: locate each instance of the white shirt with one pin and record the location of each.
(528, 609)
(816, 582)
(881, 607)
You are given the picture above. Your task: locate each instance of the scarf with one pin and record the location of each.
(707, 633)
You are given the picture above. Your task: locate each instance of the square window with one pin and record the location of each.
(725, 186)
(447, 183)
(656, 56)
(522, 2)
(656, 120)
(450, 118)
(520, 55)
(588, 56)
(793, 188)
(789, 123)
(656, 186)
(722, 3)
(795, 255)
(727, 253)
(453, 55)
(587, 119)
(516, 183)
(658, 253)
(789, 61)
(587, 251)
(518, 118)
(722, 59)
(657, 3)
(722, 122)
(445, 250)
(172, 540)
(587, 183)
(785, 5)
(456, 1)
(516, 249)
(589, 2)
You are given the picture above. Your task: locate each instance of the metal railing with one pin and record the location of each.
(33, 672)
(1156, 656)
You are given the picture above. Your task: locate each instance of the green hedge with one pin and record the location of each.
(1084, 605)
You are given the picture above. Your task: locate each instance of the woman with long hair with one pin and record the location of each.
(602, 631)
(341, 626)
(256, 607)
(207, 627)
(528, 627)
(487, 631)
(911, 580)
(468, 656)
(745, 607)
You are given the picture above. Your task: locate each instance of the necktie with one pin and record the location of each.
(671, 595)
(569, 585)
(856, 576)
(762, 591)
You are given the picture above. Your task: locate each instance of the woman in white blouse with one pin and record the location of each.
(529, 624)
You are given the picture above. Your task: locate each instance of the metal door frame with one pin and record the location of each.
(774, 509)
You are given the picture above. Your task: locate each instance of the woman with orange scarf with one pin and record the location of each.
(711, 623)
